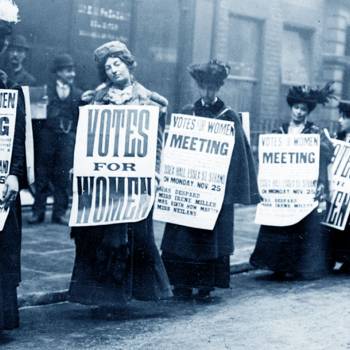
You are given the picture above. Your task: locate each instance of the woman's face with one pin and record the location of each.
(208, 92)
(344, 124)
(117, 72)
(299, 112)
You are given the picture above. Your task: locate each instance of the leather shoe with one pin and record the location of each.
(59, 220)
(36, 219)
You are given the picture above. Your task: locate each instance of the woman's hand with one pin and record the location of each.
(71, 174)
(88, 96)
(321, 198)
(320, 193)
(157, 182)
(10, 191)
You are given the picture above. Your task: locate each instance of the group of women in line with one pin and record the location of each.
(116, 263)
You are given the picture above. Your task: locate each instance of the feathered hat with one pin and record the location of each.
(8, 15)
(310, 96)
(214, 72)
(344, 108)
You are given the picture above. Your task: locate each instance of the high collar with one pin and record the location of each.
(60, 83)
(307, 126)
(211, 110)
(204, 104)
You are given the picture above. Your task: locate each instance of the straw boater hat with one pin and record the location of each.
(214, 72)
(310, 96)
(8, 15)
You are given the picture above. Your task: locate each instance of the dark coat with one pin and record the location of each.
(303, 248)
(12, 243)
(341, 239)
(10, 237)
(22, 77)
(117, 262)
(54, 149)
(241, 187)
(62, 115)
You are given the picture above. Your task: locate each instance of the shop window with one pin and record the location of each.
(244, 46)
(296, 57)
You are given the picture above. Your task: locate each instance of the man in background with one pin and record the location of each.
(56, 142)
(17, 52)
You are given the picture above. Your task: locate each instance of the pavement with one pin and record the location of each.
(257, 312)
(48, 255)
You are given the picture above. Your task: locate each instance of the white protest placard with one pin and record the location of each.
(339, 185)
(29, 137)
(245, 120)
(288, 175)
(8, 109)
(38, 102)
(195, 163)
(114, 164)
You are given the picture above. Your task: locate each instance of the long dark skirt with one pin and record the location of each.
(302, 249)
(10, 249)
(116, 263)
(341, 244)
(200, 258)
(9, 315)
(191, 273)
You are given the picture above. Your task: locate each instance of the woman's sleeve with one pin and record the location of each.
(160, 137)
(18, 158)
(162, 103)
(326, 153)
(242, 174)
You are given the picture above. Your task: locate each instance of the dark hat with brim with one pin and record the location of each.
(19, 41)
(212, 73)
(344, 108)
(310, 96)
(62, 61)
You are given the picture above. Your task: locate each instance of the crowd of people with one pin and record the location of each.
(118, 262)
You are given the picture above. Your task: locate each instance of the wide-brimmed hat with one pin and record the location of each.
(114, 48)
(310, 96)
(344, 108)
(214, 72)
(62, 61)
(19, 41)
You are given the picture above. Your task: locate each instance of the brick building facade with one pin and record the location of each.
(269, 44)
(272, 45)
